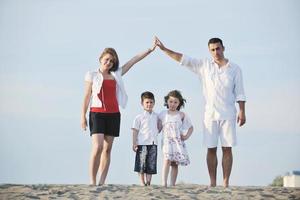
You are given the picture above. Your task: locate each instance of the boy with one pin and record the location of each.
(144, 143)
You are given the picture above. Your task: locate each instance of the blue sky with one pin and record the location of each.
(47, 46)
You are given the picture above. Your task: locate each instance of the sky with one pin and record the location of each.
(48, 46)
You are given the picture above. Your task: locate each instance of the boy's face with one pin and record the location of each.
(148, 104)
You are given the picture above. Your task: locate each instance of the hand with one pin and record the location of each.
(241, 119)
(134, 147)
(159, 43)
(153, 46)
(183, 137)
(83, 123)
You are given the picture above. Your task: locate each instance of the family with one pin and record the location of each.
(104, 92)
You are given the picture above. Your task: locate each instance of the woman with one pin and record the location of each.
(105, 92)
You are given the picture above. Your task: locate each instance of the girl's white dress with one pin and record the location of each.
(174, 149)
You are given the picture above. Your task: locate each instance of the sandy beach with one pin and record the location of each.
(115, 191)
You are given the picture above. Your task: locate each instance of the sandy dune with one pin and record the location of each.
(112, 191)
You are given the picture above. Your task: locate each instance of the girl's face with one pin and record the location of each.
(173, 103)
(107, 62)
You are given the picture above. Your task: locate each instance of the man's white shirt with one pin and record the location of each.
(222, 87)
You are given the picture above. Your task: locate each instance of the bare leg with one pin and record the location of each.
(174, 173)
(142, 179)
(97, 146)
(212, 163)
(165, 172)
(148, 177)
(226, 164)
(105, 158)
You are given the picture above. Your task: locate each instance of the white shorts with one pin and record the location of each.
(223, 129)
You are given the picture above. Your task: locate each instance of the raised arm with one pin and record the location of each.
(175, 55)
(126, 67)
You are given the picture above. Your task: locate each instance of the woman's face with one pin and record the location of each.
(107, 62)
(173, 103)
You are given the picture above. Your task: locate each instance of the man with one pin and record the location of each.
(222, 87)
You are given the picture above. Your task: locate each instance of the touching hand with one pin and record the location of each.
(153, 46)
(159, 43)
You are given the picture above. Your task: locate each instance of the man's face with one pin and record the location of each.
(216, 50)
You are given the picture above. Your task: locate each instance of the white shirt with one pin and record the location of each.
(146, 125)
(222, 87)
(96, 78)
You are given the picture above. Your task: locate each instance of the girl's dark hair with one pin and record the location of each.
(176, 94)
(147, 95)
(114, 54)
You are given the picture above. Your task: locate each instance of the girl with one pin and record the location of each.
(176, 128)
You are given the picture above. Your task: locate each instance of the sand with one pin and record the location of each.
(115, 191)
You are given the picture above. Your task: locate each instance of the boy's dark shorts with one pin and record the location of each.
(146, 159)
(105, 123)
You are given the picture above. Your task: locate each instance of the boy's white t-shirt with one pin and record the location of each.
(146, 125)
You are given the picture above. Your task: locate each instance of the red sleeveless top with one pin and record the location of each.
(108, 97)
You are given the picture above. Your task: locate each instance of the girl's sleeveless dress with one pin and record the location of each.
(174, 149)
